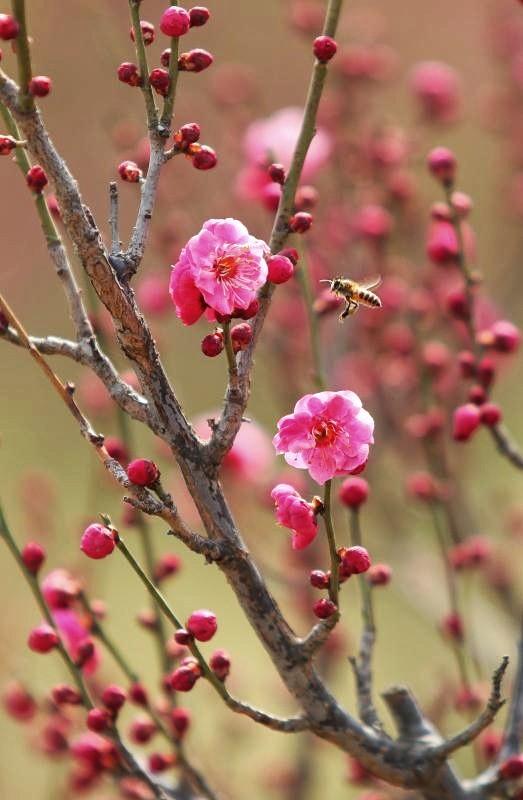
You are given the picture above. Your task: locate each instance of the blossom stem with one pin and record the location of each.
(150, 105)
(331, 537)
(6, 535)
(365, 589)
(168, 106)
(23, 55)
(304, 279)
(231, 356)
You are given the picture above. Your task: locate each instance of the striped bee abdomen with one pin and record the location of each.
(369, 298)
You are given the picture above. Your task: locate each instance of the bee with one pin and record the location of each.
(355, 294)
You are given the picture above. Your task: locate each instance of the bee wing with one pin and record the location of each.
(371, 284)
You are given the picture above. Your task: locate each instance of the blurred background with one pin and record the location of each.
(51, 483)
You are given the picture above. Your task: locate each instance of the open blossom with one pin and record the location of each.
(328, 434)
(293, 512)
(222, 268)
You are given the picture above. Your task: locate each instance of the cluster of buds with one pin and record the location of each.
(186, 140)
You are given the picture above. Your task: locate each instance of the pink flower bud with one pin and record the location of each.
(319, 579)
(436, 88)
(7, 145)
(188, 133)
(40, 86)
(490, 414)
(506, 336)
(175, 21)
(36, 179)
(33, 556)
(195, 60)
(379, 575)
(202, 624)
(220, 663)
(512, 768)
(198, 16)
(138, 695)
(452, 627)
(183, 679)
(182, 636)
(116, 449)
(354, 492)
(212, 344)
(9, 27)
(43, 639)
(324, 608)
(97, 541)
(467, 363)
(159, 762)
(324, 48)
(113, 697)
(128, 73)
(241, 336)
(422, 486)
(66, 695)
(204, 157)
(160, 81)
(180, 719)
(169, 564)
(143, 472)
(466, 420)
(293, 512)
(373, 223)
(142, 730)
(280, 269)
(486, 371)
(489, 744)
(18, 703)
(477, 395)
(98, 720)
(442, 163)
(276, 173)
(355, 560)
(300, 222)
(456, 300)
(129, 171)
(148, 32)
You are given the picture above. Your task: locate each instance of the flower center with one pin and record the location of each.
(324, 432)
(226, 267)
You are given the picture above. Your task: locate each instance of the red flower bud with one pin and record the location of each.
(128, 73)
(276, 173)
(159, 80)
(212, 344)
(142, 730)
(300, 222)
(99, 720)
(7, 144)
(204, 157)
(354, 492)
(181, 719)
(138, 695)
(280, 269)
(442, 163)
(324, 48)
(319, 579)
(36, 179)
(158, 762)
(452, 627)
(202, 624)
(324, 608)
(195, 60)
(183, 679)
(182, 636)
(188, 133)
(143, 472)
(18, 703)
(169, 564)
(43, 639)
(129, 171)
(66, 695)
(113, 697)
(512, 768)
(355, 560)
(97, 541)
(40, 86)
(198, 16)
(9, 27)
(148, 32)
(249, 312)
(241, 336)
(490, 414)
(220, 663)
(33, 556)
(379, 575)
(175, 21)
(477, 395)
(466, 420)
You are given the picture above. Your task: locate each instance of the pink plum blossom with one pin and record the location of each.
(293, 512)
(222, 267)
(328, 434)
(73, 628)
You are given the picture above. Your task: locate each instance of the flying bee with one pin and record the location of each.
(355, 294)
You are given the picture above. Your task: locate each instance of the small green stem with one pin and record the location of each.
(150, 105)
(331, 538)
(365, 589)
(32, 582)
(464, 268)
(168, 106)
(304, 279)
(23, 55)
(231, 356)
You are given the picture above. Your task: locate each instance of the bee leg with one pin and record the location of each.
(346, 311)
(352, 307)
